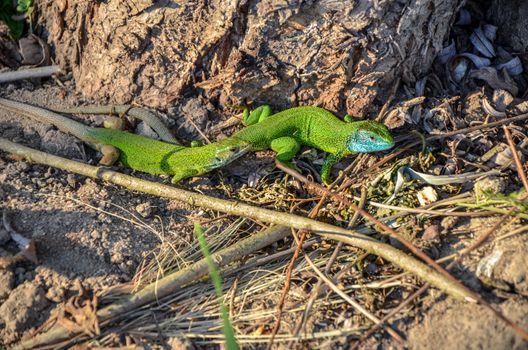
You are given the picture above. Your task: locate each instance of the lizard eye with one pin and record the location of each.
(372, 138)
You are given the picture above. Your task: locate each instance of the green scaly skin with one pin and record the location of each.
(283, 132)
(315, 127)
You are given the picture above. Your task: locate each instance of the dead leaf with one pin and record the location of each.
(495, 79)
(79, 314)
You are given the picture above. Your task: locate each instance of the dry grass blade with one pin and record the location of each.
(235, 208)
(330, 262)
(474, 296)
(375, 221)
(351, 301)
(286, 288)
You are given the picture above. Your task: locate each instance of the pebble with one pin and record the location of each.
(48, 173)
(145, 130)
(56, 294)
(70, 179)
(431, 233)
(144, 209)
(124, 268)
(448, 222)
(491, 184)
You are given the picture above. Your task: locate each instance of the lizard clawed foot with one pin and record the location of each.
(255, 116)
(110, 155)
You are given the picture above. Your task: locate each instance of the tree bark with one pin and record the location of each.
(341, 55)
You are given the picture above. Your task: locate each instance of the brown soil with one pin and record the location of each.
(91, 236)
(76, 240)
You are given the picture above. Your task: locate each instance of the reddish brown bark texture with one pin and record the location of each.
(342, 55)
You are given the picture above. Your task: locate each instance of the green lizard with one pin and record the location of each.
(283, 132)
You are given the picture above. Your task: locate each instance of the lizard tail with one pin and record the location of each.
(70, 126)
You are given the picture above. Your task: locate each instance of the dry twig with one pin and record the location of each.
(235, 208)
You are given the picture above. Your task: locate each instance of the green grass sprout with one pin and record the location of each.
(229, 333)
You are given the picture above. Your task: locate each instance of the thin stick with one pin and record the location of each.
(368, 216)
(518, 163)
(478, 127)
(349, 300)
(235, 208)
(426, 211)
(30, 73)
(204, 136)
(385, 319)
(411, 146)
(286, 288)
(474, 296)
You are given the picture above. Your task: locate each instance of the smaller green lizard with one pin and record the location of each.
(283, 132)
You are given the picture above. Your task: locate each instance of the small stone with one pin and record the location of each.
(95, 234)
(431, 233)
(176, 343)
(28, 276)
(114, 123)
(124, 268)
(490, 184)
(22, 166)
(56, 294)
(144, 209)
(371, 269)
(448, 222)
(48, 173)
(427, 195)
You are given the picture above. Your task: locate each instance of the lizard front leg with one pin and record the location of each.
(286, 148)
(110, 155)
(329, 162)
(184, 173)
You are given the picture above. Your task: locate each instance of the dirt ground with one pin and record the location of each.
(93, 238)
(84, 232)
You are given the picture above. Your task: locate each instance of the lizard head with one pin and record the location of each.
(369, 136)
(225, 153)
